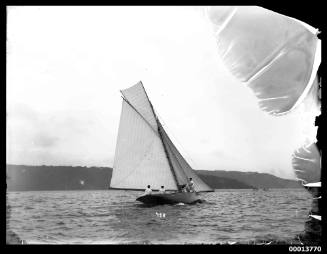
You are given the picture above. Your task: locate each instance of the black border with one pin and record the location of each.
(310, 12)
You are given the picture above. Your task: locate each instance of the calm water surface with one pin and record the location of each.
(115, 217)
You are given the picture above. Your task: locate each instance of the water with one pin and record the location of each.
(115, 217)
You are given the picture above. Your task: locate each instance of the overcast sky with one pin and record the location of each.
(66, 65)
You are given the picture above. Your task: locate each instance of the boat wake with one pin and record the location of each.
(199, 201)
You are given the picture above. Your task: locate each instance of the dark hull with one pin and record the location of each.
(170, 198)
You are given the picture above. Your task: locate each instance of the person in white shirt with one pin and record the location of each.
(148, 190)
(191, 185)
(162, 190)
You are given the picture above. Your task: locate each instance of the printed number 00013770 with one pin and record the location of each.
(304, 248)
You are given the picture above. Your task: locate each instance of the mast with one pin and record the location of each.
(165, 148)
(145, 153)
(174, 156)
(163, 143)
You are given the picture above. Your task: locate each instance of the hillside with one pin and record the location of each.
(259, 180)
(27, 178)
(223, 182)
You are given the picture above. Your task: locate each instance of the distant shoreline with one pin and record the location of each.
(61, 178)
(216, 190)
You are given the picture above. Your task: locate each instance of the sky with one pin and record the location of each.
(66, 65)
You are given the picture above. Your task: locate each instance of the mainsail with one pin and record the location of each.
(144, 154)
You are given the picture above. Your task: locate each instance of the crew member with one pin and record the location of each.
(148, 190)
(191, 185)
(162, 190)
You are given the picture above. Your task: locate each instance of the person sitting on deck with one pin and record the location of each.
(184, 188)
(191, 185)
(162, 190)
(148, 190)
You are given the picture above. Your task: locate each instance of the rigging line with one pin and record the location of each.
(187, 170)
(180, 160)
(177, 141)
(161, 138)
(174, 156)
(140, 116)
(182, 148)
(168, 158)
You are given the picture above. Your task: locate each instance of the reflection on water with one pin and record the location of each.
(115, 217)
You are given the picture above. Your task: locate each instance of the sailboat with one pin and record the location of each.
(145, 155)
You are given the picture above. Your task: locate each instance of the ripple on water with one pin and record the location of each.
(114, 216)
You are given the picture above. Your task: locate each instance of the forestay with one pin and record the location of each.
(182, 168)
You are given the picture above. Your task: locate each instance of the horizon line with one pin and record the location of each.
(112, 168)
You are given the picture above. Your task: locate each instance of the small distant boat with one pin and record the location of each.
(145, 155)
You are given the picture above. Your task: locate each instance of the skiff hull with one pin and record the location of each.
(170, 198)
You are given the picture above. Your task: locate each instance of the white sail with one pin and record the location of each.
(183, 169)
(144, 156)
(140, 158)
(137, 97)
